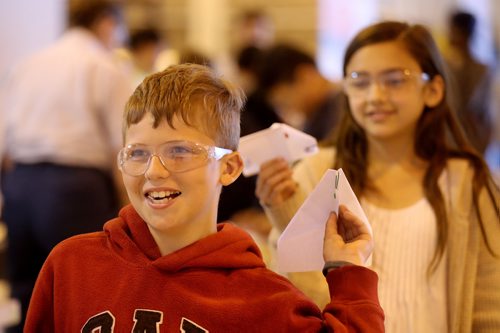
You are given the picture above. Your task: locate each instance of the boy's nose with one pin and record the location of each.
(156, 169)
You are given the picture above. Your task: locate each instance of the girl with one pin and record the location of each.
(429, 196)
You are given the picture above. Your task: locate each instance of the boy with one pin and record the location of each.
(164, 265)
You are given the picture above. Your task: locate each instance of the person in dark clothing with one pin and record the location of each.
(62, 109)
(471, 81)
(292, 82)
(257, 115)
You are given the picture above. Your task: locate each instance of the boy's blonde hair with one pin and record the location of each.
(195, 94)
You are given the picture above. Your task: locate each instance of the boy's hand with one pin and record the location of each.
(347, 238)
(275, 183)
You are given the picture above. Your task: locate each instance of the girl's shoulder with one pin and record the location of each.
(456, 179)
(457, 171)
(459, 165)
(457, 183)
(461, 173)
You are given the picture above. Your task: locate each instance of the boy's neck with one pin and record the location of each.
(175, 239)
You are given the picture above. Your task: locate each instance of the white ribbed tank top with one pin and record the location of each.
(405, 241)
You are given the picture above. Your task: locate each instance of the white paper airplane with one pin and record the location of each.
(279, 140)
(300, 247)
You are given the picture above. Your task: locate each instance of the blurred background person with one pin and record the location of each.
(258, 113)
(251, 27)
(144, 46)
(252, 35)
(62, 109)
(493, 151)
(248, 61)
(254, 27)
(299, 92)
(471, 79)
(190, 55)
(238, 202)
(252, 32)
(281, 82)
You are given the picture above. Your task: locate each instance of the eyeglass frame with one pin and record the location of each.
(377, 80)
(211, 152)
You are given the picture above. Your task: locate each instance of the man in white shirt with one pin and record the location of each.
(63, 109)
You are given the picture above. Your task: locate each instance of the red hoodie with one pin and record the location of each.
(117, 281)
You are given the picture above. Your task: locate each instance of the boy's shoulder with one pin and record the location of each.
(79, 245)
(83, 238)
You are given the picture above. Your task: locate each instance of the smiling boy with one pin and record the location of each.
(164, 264)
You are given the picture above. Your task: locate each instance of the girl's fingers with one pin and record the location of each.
(274, 182)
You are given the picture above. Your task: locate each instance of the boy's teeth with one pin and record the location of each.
(159, 195)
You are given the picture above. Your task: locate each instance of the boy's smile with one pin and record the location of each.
(161, 197)
(178, 207)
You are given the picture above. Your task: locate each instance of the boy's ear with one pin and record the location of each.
(231, 168)
(434, 91)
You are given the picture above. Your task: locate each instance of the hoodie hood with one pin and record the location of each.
(230, 248)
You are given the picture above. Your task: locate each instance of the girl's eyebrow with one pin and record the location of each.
(392, 70)
(385, 71)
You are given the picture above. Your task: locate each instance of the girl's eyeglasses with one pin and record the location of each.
(394, 80)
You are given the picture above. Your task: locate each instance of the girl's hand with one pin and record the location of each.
(275, 183)
(347, 238)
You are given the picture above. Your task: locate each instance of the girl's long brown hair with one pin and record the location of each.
(438, 137)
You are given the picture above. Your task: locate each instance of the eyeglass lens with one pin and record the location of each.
(176, 156)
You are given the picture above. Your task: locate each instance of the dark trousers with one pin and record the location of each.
(44, 204)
